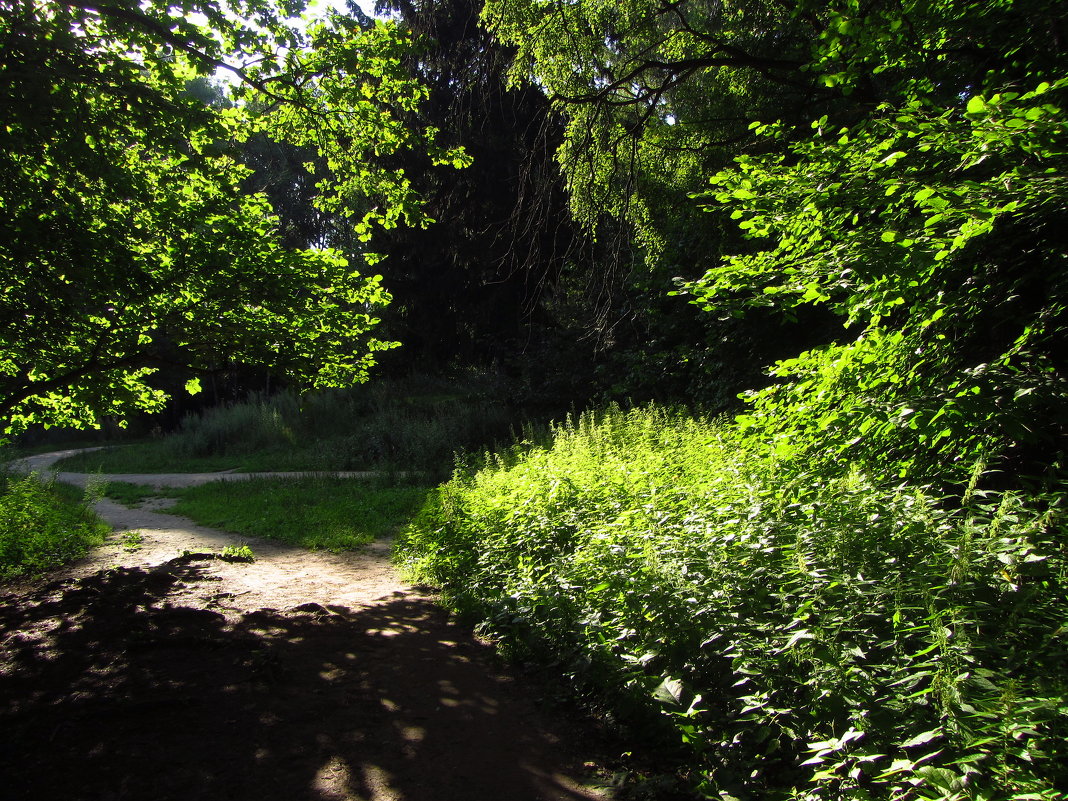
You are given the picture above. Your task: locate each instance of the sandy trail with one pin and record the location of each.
(146, 674)
(282, 576)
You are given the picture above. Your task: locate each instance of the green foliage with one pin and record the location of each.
(930, 187)
(41, 530)
(237, 553)
(650, 93)
(806, 634)
(128, 241)
(937, 235)
(400, 425)
(318, 513)
(229, 553)
(657, 94)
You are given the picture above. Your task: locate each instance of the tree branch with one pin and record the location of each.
(677, 72)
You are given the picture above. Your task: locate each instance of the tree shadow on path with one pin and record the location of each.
(110, 691)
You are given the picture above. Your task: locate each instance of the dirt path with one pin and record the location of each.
(145, 674)
(282, 576)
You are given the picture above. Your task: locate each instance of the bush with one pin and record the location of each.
(806, 635)
(239, 429)
(39, 529)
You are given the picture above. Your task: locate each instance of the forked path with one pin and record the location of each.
(145, 673)
(281, 577)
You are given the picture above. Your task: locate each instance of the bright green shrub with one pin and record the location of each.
(39, 530)
(806, 635)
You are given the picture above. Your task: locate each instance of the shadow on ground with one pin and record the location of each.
(108, 691)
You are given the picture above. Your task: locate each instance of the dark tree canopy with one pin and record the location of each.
(470, 286)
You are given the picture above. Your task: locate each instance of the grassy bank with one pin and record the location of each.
(43, 526)
(316, 513)
(390, 425)
(803, 635)
(319, 513)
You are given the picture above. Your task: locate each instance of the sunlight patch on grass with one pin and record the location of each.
(132, 495)
(319, 513)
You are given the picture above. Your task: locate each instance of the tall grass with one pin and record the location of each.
(805, 636)
(42, 527)
(416, 424)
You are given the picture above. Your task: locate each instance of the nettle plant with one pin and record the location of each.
(883, 647)
(806, 634)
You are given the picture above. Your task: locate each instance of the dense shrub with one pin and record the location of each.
(39, 529)
(806, 635)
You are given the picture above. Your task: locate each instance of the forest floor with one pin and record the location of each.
(153, 670)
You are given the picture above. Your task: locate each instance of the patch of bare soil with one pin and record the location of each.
(151, 675)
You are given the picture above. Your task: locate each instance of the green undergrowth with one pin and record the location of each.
(148, 456)
(43, 525)
(806, 636)
(398, 425)
(319, 513)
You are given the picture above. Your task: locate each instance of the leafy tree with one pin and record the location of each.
(659, 94)
(127, 242)
(938, 234)
(897, 171)
(934, 227)
(656, 95)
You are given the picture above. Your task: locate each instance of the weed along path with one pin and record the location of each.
(143, 673)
